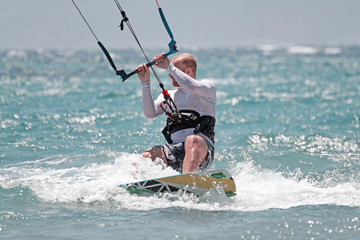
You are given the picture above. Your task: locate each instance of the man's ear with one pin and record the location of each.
(189, 71)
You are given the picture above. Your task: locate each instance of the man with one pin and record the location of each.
(191, 146)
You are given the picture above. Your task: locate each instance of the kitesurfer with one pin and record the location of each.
(190, 136)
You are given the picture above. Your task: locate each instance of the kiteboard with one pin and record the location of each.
(198, 183)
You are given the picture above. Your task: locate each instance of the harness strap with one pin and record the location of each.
(190, 119)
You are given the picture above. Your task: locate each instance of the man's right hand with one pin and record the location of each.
(144, 73)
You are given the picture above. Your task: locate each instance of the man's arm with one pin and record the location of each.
(150, 108)
(203, 88)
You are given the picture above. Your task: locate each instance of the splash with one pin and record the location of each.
(260, 189)
(95, 183)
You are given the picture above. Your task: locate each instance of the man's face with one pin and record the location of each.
(174, 82)
(180, 67)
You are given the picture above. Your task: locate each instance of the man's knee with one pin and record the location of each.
(195, 153)
(195, 141)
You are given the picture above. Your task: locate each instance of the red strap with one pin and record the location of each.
(165, 94)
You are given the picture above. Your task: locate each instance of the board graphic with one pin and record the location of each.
(197, 183)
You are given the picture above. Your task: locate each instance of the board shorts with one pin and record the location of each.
(175, 154)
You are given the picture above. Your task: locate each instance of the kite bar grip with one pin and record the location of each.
(125, 76)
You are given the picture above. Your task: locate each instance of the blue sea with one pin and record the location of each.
(288, 131)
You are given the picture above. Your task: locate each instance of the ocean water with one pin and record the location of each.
(288, 131)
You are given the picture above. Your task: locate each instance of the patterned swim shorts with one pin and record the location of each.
(175, 154)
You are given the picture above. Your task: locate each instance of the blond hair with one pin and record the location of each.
(186, 60)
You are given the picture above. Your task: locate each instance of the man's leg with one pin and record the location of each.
(155, 152)
(195, 153)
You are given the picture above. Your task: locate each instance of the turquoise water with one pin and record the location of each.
(287, 130)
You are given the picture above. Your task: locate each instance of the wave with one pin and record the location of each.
(302, 50)
(257, 188)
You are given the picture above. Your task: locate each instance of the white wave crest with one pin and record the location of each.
(257, 189)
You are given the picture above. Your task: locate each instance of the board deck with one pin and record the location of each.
(197, 183)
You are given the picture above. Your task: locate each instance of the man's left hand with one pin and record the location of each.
(161, 62)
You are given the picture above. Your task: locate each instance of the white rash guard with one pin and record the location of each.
(199, 96)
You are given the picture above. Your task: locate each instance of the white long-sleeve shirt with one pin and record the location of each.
(199, 96)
